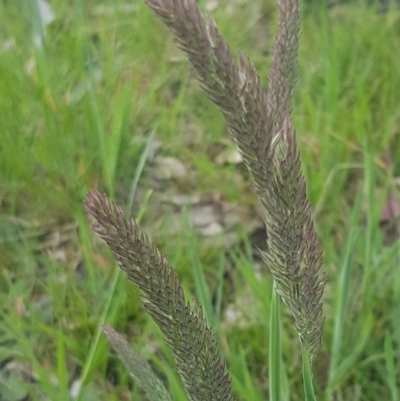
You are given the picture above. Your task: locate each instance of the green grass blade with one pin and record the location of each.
(285, 390)
(113, 140)
(307, 377)
(219, 289)
(342, 297)
(62, 370)
(372, 223)
(243, 381)
(390, 368)
(275, 354)
(364, 328)
(201, 286)
(13, 324)
(139, 171)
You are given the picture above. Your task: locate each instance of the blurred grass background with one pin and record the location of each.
(82, 96)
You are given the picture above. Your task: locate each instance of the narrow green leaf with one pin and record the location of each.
(285, 392)
(372, 224)
(113, 140)
(307, 377)
(342, 297)
(244, 383)
(201, 287)
(364, 329)
(275, 354)
(62, 370)
(390, 367)
(139, 170)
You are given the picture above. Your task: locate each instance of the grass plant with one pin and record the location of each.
(79, 111)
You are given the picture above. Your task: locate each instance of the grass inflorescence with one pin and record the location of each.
(79, 109)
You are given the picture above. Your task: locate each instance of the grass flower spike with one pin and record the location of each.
(258, 121)
(192, 343)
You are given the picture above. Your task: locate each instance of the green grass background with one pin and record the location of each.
(62, 130)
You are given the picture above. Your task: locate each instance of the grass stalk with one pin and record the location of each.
(309, 394)
(275, 352)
